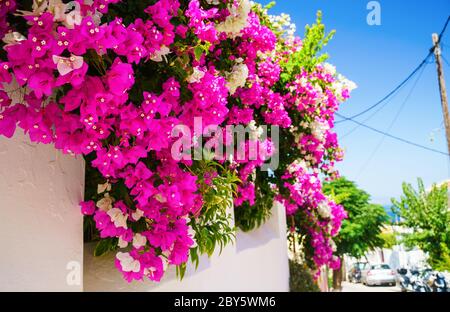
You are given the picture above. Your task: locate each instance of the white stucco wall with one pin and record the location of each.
(41, 230)
(256, 262)
(42, 236)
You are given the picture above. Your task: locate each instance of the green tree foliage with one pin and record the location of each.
(361, 230)
(389, 239)
(314, 40)
(427, 214)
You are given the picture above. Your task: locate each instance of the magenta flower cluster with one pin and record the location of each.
(67, 81)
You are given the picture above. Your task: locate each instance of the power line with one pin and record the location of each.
(393, 136)
(443, 30)
(384, 105)
(369, 117)
(397, 115)
(356, 127)
(398, 87)
(342, 137)
(376, 112)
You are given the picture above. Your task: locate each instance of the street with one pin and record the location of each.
(350, 287)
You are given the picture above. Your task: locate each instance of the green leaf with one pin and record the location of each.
(104, 246)
(198, 52)
(181, 271)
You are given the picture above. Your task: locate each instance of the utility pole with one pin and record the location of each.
(444, 101)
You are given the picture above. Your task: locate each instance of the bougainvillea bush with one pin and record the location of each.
(110, 80)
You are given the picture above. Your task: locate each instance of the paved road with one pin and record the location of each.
(349, 287)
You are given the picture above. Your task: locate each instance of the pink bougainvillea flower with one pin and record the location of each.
(5, 75)
(9, 118)
(4, 99)
(87, 208)
(42, 83)
(153, 266)
(120, 77)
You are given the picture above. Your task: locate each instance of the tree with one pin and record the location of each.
(361, 231)
(427, 214)
(390, 240)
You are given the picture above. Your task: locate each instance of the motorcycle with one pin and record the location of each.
(404, 280)
(440, 283)
(412, 282)
(436, 281)
(418, 283)
(355, 276)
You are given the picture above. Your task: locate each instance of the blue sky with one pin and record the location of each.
(378, 58)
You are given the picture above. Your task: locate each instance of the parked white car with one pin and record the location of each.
(378, 274)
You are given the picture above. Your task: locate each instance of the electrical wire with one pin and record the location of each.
(398, 87)
(441, 34)
(350, 132)
(397, 115)
(393, 136)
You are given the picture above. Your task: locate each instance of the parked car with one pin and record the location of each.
(378, 274)
(354, 274)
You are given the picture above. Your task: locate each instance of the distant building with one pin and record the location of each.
(397, 257)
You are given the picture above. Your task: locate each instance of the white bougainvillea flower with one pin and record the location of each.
(58, 9)
(118, 218)
(158, 56)
(237, 20)
(139, 240)
(319, 129)
(67, 64)
(238, 77)
(105, 203)
(196, 76)
(324, 209)
(73, 17)
(329, 69)
(137, 215)
(122, 243)
(103, 187)
(12, 38)
(128, 263)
